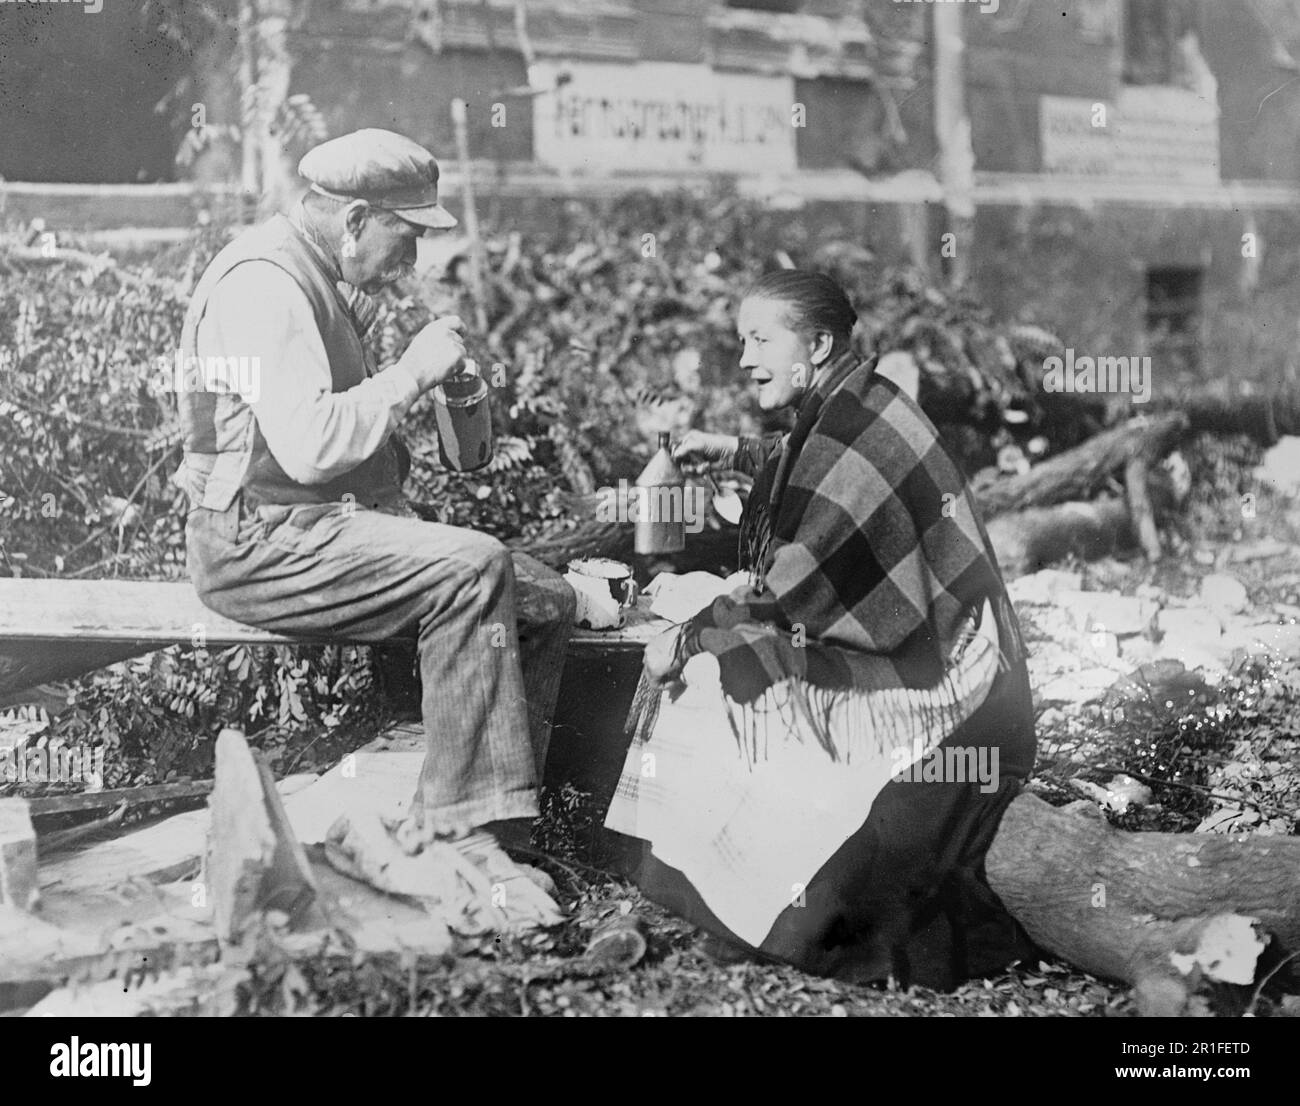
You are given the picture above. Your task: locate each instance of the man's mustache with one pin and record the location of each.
(396, 273)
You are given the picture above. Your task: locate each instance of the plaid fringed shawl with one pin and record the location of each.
(869, 560)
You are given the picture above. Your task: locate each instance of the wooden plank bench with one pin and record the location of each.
(58, 629)
(54, 630)
(134, 612)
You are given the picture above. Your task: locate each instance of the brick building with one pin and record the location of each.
(1133, 166)
(1135, 162)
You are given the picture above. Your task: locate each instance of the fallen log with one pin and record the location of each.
(1033, 538)
(1167, 913)
(61, 839)
(1263, 417)
(1080, 473)
(1073, 418)
(130, 796)
(1028, 540)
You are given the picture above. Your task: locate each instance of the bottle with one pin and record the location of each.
(661, 504)
(464, 420)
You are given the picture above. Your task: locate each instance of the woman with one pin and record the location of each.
(842, 736)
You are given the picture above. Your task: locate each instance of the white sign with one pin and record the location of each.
(1071, 144)
(662, 116)
(1169, 134)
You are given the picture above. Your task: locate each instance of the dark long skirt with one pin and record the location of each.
(905, 896)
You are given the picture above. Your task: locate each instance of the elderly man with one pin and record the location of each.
(296, 519)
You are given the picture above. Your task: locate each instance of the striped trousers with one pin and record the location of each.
(490, 628)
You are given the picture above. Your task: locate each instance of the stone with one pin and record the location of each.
(1092, 611)
(1269, 639)
(1260, 550)
(1085, 686)
(1212, 660)
(1102, 646)
(1106, 574)
(1047, 662)
(1280, 467)
(1156, 681)
(18, 884)
(1138, 650)
(1124, 792)
(1050, 624)
(1041, 588)
(1189, 624)
(1050, 718)
(1224, 593)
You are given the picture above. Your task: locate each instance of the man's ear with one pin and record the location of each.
(821, 351)
(355, 216)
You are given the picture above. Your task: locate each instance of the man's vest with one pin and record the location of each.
(225, 452)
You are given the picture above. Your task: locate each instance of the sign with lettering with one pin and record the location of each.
(662, 116)
(1071, 142)
(1156, 132)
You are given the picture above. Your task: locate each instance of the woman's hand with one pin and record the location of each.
(664, 659)
(699, 446)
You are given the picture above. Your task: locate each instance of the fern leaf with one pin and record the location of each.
(575, 468)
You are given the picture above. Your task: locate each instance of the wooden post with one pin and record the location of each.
(952, 131)
(254, 862)
(459, 119)
(274, 67)
(249, 178)
(1139, 505)
(914, 230)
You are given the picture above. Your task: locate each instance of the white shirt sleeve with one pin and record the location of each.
(258, 311)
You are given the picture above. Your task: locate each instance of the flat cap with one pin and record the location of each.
(385, 169)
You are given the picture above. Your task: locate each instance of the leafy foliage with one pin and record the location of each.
(155, 718)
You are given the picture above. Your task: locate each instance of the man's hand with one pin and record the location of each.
(697, 446)
(435, 353)
(663, 661)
